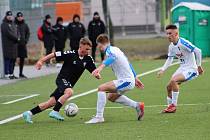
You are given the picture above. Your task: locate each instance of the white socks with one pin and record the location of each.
(169, 100)
(126, 101)
(101, 102)
(175, 97)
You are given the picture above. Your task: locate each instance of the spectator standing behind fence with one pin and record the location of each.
(95, 28)
(48, 37)
(9, 43)
(60, 34)
(76, 31)
(23, 31)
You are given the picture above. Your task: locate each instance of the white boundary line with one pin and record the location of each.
(20, 99)
(11, 119)
(12, 95)
(82, 94)
(149, 106)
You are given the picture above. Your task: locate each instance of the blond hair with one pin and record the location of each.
(103, 39)
(85, 41)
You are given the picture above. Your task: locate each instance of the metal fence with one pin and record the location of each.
(34, 12)
(4, 6)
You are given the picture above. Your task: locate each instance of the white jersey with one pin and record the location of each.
(184, 51)
(121, 66)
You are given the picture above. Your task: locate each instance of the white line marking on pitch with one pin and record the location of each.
(149, 106)
(12, 95)
(82, 94)
(20, 99)
(11, 119)
(93, 108)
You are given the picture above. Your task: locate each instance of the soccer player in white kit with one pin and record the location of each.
(126, 80)
(190, 65)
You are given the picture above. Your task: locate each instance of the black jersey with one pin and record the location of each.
(73, 65)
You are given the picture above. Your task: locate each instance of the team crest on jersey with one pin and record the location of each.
(179, 55)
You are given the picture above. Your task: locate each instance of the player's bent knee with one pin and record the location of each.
(169, 88)
(173, 82)
(68, 92)
(100, 88)
(113, 97)
(110, 98)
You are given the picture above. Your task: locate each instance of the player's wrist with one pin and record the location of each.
(41, 61)
(162, 70)
(101, 66)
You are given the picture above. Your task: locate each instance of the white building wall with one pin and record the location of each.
(128, 12)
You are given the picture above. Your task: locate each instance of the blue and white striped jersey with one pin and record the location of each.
(184, 51)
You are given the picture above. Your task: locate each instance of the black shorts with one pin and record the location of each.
(62, 84)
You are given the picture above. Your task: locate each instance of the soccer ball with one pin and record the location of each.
(71, 110)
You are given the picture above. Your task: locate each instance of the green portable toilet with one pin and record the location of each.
(193, 20)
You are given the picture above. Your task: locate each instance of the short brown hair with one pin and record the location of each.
(85, 41)
(102, 38)
(171, 26)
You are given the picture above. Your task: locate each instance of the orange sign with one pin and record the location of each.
(66, 10)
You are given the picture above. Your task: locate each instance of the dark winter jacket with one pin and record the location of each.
(23, 31)
(9, 39)
(48, 37)
(60, 34)
(76, 30)
(95, 28)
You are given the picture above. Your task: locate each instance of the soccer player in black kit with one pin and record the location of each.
(75, 62)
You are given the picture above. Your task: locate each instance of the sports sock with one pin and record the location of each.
(169, 100)
(126, 101)
(35, 110)
(101, 102)
(57, 106)
(175, 97)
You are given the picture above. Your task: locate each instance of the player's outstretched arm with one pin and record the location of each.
(165, 66)
(138, 83)
(42, 60)
(96, 72)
